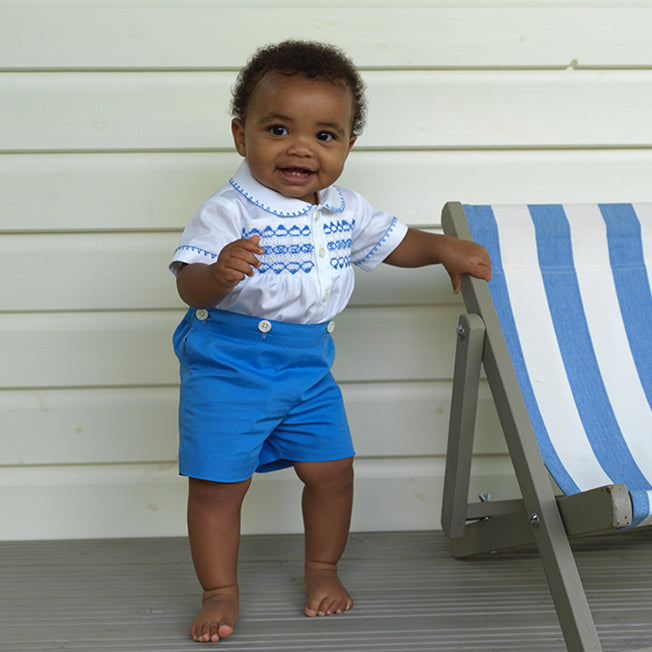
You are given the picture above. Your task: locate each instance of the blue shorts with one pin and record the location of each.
(256, 395)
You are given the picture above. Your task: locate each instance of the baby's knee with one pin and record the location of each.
(336, 474)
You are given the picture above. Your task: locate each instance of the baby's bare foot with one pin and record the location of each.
(326, 594)
(216, 619)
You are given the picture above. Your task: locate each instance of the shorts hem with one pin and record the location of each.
(269, 467)
(210, 477)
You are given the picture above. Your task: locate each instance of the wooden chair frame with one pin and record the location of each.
(539, 517)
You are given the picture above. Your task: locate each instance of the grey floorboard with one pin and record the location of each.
(141, 594)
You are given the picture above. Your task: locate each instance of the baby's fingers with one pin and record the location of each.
(237, 260)
(255, 242)
(246, 246)
(477, 261)
(456, 280)
(482, 267)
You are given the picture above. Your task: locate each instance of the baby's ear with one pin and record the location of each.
(238, 131)
(351, 143)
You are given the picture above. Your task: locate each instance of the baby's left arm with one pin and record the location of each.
(459, 257)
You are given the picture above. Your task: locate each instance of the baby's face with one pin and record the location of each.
(296, 134)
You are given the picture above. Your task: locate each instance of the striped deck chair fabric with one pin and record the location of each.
(571, 287)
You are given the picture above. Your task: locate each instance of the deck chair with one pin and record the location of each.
(564, 333)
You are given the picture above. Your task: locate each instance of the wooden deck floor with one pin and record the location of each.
(140, 594)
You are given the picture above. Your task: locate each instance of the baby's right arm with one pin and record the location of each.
(204, 286)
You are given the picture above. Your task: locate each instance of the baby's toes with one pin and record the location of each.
(312, 607)
(329, 606)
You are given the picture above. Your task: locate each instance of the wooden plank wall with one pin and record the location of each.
(114, 127)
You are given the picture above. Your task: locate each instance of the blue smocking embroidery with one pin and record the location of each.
(284, 249)
(278, 232)
(280, 250)
(338, 245)
(342, 244)
(339, 226)
(278, 267)
(341, 262)
(196, 250)
(392, 226)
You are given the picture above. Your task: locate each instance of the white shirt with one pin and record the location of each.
(305, 276)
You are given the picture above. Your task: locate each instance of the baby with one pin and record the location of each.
(265, 265)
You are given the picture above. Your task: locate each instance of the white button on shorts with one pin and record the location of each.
(331, 326)
(264, 326)
(202, 314)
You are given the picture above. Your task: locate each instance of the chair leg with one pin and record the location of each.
(541, 514)
(541, 526)
(541, 507)
(565, 584)
(466, 380)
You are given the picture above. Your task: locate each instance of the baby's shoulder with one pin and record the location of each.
(225, 204)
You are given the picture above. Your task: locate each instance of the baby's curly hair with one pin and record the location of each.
(314, 60)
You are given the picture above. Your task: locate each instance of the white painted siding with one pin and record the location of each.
(114, 127)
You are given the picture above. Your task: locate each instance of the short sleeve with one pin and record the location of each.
(375, 235)
(213, 226)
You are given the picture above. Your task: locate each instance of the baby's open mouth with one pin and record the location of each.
(296, 173)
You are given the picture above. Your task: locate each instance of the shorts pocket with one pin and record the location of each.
(188, 347)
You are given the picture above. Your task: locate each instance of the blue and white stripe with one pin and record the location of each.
(572, 291)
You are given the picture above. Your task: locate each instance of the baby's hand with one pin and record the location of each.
(465, 257)
(236, 261)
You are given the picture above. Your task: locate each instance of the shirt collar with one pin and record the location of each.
(276, 203)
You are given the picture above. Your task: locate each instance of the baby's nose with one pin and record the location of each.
(300, 147)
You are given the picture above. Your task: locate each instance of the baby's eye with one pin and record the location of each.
(325, 136)
(278, 130)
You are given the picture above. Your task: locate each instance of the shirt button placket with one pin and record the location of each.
(323, 264)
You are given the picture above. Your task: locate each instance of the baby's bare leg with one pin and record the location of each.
(327, 503)
(214, 532)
